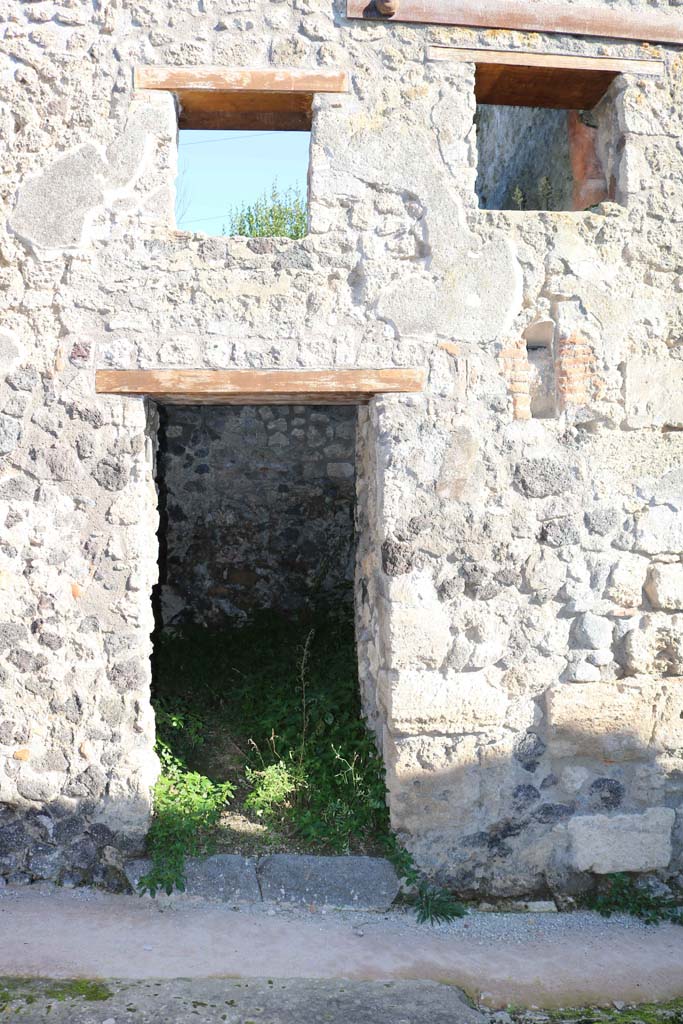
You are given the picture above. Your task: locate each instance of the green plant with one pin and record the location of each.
(91, 991)
(622, 895)
(272, 784)
(518, 198)
(287, 693)
(433, 904)
(545, 193)
(274, 215)
(30, 990)
(187, 806)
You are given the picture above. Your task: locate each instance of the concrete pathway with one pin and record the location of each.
(542, 960)
(209, 1000)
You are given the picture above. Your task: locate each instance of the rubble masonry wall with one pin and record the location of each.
(519, 586)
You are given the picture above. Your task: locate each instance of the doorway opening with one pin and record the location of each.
(255, 681)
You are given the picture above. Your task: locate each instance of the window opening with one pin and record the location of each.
(547, 135)
(243, 183)
(533, 158)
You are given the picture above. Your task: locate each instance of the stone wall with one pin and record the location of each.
(519, 589)
(257, 510)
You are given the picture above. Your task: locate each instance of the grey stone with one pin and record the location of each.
(11, 634)
(544, 476)
(52, 208)
(606, 793)
(223, 876)
(523, 796)
(24, 379)
(548, 814)
(361, 882)
(17, 488)
(45, 861)
(10, 432)
(90, 783)
(13, 838)
(602, 521)
(111, 473)
(592, 632)
(529, 749)
(397, 559)
(558, 532)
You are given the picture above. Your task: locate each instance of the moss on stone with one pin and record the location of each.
(670, 1012)
(29, 990)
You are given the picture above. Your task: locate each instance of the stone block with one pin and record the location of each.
(653, 391)
(540, 477)
(416, 623)
(592, 632)
(433, 781)
(461, 476)
(626, 580)
(452, 703)
(368, 883)
(10, 432)
(664, 586)
(622, 842)
(655, 647)
(225, 876)
(613, 720)
(659, 530)
(669, 726)
(52, 208)
(417, 636)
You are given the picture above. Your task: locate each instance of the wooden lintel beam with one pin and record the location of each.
(260, 387)
(522, 16)
(559, 61)
(249, 80)
(562, 81)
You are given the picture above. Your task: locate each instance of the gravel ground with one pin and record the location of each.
(480, 927)
(525, 959)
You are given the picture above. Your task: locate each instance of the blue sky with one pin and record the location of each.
(219, 170)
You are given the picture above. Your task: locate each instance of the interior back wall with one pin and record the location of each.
(257, 509)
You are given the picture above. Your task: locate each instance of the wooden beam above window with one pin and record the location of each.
(260, 387)
(520, 15)
(270, 99)
(561, 81)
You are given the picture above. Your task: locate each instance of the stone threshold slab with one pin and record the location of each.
(357, 883)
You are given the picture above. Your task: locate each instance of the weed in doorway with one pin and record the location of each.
(187, 806)
(285, 694)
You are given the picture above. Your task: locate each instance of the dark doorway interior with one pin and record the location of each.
(258, 505)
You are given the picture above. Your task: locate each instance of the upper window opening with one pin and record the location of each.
(244, 141)
(546, 132)
(536, 159)
(242, 183)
